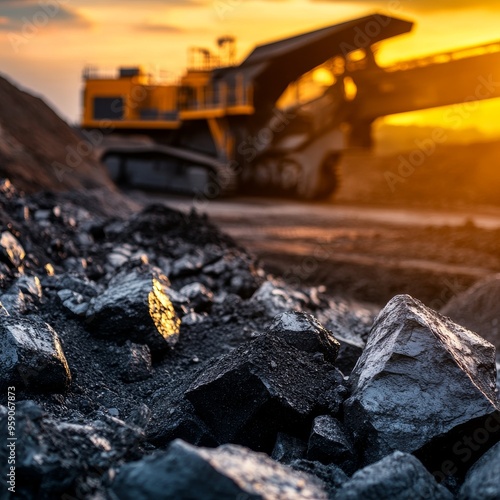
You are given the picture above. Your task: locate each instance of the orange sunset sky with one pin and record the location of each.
(44, 45)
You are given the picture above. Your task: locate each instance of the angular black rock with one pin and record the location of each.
(188, 264)
(329, 443)
(11, 251)
(120, 255)
(288, 448)
(136, 307)
(55, 457)
(304, 332)
(346, 319)
(420, 377)
(483, 479)
(498, 378)
(178, 420)
(74, 292)
(235, 273)
(261, 388)
(78, 284)
(332, 476)
(276, 297)
(23, 296)
(31, 355)
(350, 326)
(73, 302)
(399, 476)
(200, 298)
(225, 473)
(138, 365)
(139, 417)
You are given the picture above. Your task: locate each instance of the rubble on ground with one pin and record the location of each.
(148, 350)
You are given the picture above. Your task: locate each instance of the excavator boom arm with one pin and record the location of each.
(442, 80)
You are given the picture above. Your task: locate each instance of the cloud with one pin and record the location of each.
(169, 3)
(14, 15)
(159, 28)
(428, 5)
(144, 4)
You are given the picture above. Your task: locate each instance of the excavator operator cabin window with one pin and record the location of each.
(108, 108)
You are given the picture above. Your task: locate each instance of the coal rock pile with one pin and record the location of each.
(143, 354)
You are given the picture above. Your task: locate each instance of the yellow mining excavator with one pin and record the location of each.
(279, 121)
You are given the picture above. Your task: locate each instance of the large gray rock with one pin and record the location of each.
(483, 479)
(226, 473)
(399, 476)
(136, 306)
(420, 376)
(261, 388)
(31, 355)
(305, 333)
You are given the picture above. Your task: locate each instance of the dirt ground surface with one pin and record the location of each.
(364, 253)
(425, 223)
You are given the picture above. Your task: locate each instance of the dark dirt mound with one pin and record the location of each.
(38, 150)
